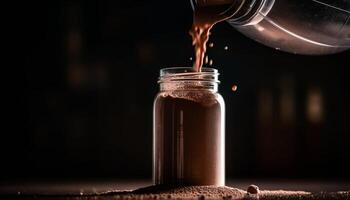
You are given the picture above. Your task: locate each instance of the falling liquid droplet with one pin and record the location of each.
(234, 88)
(191, 58)
(226, 48)
(211, 62)
(206, 59)
(211, 45)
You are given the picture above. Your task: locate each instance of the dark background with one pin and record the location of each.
(90, 76)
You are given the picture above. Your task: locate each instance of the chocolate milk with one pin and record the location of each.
(189, 139)
(206, 14)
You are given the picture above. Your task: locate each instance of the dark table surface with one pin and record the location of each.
(93, 187)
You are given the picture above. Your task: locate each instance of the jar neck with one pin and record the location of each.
(183, 79)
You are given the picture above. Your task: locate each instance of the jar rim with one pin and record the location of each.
(178, 71)
(187, 74)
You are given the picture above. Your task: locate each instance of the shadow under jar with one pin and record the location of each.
(189, 129)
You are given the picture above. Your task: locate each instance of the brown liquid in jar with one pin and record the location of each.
(189, 139)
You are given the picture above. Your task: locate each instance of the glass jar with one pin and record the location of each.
(303, 27)
(189, 129)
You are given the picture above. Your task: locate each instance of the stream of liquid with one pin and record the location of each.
(205, 16)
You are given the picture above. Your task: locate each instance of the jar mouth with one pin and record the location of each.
(185, 70)
(188, 74)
